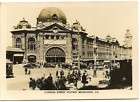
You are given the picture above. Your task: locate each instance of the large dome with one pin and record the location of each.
(51, 14)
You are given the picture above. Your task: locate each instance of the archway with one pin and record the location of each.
(55, 55)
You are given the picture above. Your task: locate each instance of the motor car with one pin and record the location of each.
(66, 65)
(47, 65)
(30, 65)
(103, 83)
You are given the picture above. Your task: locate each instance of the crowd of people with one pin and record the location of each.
(61, 81)
(66, 80)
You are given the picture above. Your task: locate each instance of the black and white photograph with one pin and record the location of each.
(70, 46)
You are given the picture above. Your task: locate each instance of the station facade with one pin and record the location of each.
(53, 40)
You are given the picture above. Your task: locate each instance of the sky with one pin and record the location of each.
(99, 18)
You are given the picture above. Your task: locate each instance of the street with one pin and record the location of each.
(21, 81)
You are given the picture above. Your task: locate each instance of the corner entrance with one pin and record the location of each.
(55, 55)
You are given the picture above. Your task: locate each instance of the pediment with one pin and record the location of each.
(56, 28)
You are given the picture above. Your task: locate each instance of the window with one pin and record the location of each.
(83, 40)
(31, 44)
(47, 36)
(75, 57)
(83, 46)
(18, 43)
(83, 53)
(57, 37)
(62, 37)
(55, 52)
(52, 37)
(20, 26)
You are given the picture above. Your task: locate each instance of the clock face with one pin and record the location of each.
(55, 30)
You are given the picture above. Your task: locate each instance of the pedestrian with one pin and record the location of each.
(45, 84)
(32, 84)
(29, 72)
(85, 71)
(84, 79)
(57, 73)
(79, 75)
(75, 80)
(107, 74)
(61, 73)
(50, 84)
(26, 70)
(94, 72)
(90, 83)
(57, 84)
(62, 83)
(39, 83)
(56, 66)
(69, 78)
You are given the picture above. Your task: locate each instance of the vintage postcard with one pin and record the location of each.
(70, 50)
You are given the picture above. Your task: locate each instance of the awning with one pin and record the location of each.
(18, 54)
(87, 59)
(11, 49)
(32, 56)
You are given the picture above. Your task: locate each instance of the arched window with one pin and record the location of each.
(47, 36)
(52, 36)
(55, 52)
(62, 37)
(18, 43)
(54, 17)
(31, 44)
(55, 55)
(57, 37)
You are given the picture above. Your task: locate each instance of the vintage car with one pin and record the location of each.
(104, 83)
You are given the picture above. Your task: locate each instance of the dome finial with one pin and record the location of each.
(127, 30)
(23, 19)
(77, 22)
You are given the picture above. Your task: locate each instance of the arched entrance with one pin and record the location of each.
(55, 55)
(32, 58)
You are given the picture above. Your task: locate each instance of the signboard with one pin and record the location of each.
(54, 41)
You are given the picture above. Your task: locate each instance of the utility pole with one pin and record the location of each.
(78, 49)
(95, 51)
(95, 55)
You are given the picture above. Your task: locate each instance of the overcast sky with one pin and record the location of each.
(99, 18)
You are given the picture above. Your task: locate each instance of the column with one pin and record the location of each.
(40, 51)
(68, 49)
(23, 41)
(13, 40)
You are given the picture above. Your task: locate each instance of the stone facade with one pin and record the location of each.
(53, 40)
